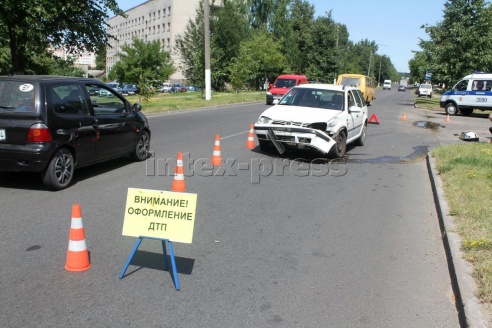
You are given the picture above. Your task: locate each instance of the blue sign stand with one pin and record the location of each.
(166, 265)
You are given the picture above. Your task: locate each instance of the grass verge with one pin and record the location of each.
(165, 102)
(466, 172)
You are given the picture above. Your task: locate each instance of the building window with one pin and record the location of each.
(169, 11)
(168, 26)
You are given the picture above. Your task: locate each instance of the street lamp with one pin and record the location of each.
(380, 58)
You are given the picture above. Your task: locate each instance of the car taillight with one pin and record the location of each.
(39, 133)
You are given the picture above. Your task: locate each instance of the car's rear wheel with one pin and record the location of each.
(59, 173)
(451, 109)
(362, 139)
(338, 150)
(141, 151)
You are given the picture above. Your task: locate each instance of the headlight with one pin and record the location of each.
(333, 122)
(264, 120)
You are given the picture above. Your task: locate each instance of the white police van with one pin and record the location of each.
(472, 92)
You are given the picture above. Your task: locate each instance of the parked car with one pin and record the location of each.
(401, 88)
(424, 90)
(177, 88)
(94, 91)
(166, 87)
(319, 117)
(129, 89)
(53, 125)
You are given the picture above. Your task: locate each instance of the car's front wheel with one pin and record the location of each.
(141, 151)
(59, 173)
(451, 109)
(338, 150)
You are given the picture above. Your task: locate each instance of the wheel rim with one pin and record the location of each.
(143, 145)
(451, 109)
(63, 169)
(340, 144)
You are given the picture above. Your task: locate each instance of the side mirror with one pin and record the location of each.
(137, 107)
(354, 109)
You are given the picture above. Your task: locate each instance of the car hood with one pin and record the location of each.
(300, 114)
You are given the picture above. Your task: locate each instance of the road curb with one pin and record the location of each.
(470, 313)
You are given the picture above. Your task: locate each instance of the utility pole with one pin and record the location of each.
(206, 23)
(369, 69)
(380, 58)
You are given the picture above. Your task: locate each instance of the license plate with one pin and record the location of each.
(3, 136)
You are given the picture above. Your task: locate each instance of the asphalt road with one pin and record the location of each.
(279, 241)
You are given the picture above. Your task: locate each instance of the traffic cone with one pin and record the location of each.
(250, 144)
(179, 182)
(403, 117)
(448, 119)
(77, 254)
(216, 157)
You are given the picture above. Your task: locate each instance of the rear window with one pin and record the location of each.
(354, 81)
(16, 97)
(425, 86)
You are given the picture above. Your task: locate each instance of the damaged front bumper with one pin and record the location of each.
(294, 137)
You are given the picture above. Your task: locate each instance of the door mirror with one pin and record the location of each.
(137, 107)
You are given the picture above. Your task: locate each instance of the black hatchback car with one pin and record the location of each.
(53, 124)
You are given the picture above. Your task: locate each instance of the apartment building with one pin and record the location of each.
(161, 20)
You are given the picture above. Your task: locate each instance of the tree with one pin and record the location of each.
(259, 58)
(142, 63)
(31, 26)
(302, 16)
(321, 53)
(461, 43)
(190, 47)
(101, 59)
(229, 28)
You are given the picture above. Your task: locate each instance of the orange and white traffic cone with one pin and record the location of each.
(448, 119)
(250, 143)
(216, 156)
(77, 254)
(404, 117)
(179, 182)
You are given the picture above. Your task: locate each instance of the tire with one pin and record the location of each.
(451, 109)
(338, 150)
(466, 111)
(59, 173)
(362, 139)
(141, 151)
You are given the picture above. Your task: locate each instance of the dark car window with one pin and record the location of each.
(106, 102)
(68, 99)
(16, 97)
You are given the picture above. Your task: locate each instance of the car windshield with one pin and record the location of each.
(16, 97)
(319, 98)
(355, 81)
(284, 83)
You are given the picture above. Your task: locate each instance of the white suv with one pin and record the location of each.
(425, 90)
(317, 117)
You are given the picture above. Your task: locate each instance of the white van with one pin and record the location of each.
(474, 91)
(387, 84)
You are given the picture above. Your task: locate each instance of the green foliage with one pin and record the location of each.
(259, 58)
(282, 36)
(458, 45)
(32, 25)
(142, 63)
(190, 47)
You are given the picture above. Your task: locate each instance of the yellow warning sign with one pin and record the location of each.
(160, 214)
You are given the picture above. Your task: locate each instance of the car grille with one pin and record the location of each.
(316, 125)
(303, 125)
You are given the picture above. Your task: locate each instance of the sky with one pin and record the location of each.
(393, 25)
